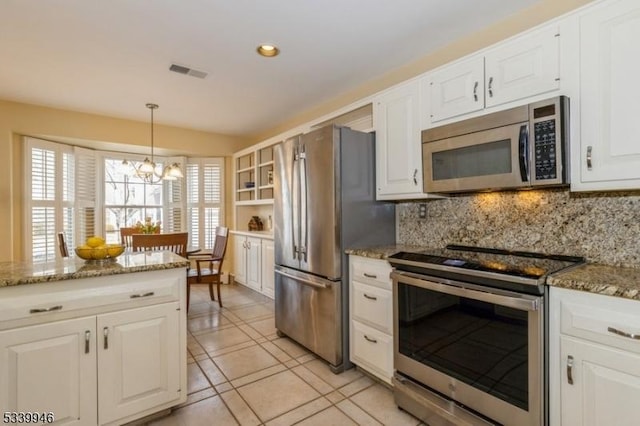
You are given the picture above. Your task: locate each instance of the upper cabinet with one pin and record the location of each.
(398, 149)
(254, 176)
(606, 155)
(520, 68)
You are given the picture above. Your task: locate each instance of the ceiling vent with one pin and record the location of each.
(187, 71)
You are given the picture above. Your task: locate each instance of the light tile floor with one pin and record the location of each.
(241, 373)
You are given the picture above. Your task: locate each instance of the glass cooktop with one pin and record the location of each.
(505, 262)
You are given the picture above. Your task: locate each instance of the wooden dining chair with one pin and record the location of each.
(125, 236)
(62, 245)
(209, 265)
(176, 242)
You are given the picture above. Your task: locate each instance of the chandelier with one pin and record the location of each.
(147, 170)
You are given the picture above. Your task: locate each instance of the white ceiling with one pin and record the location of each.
(111, 57)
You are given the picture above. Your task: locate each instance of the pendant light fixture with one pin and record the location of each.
(147, 171)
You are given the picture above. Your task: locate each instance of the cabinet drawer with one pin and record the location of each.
(371, 271)
(604, 319)
(373, 306)
(371, 349)
(52, 301)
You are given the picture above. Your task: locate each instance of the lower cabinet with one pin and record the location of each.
(103, 369)
(254, 263)
(595, 359)
(51, 368)
(268, 263)
(371, 316)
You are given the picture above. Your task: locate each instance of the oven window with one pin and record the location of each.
(482, 344)
(492, 158)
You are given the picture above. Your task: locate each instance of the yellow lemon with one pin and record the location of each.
(84, 252)
(114, 250)
(100, 252)
(95, 241)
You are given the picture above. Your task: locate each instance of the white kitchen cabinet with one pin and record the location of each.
(108, 359)
(371, 316)
(137, 365)
(594, 371)
(457, 89)
(267, 260)
(398, 145)
(51, 368)
(254, 262)
(607, 154)
(523, 67)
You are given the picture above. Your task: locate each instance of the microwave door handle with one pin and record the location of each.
(523, 152)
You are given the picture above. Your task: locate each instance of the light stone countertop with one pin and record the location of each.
(20, 273)
(592, 277)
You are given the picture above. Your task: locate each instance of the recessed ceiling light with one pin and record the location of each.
(268, 50)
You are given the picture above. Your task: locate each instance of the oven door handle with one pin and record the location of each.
(517, 301)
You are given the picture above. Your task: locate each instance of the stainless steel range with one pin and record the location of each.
(470, 335)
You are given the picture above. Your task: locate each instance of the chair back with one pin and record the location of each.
(125, 236)
(62, 245)
(176, 242)
(220, 243)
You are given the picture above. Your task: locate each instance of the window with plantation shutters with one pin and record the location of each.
(50, 198)
(85, 193)
(175, 203)
(205, 201)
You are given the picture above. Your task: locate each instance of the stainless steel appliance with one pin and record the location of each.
(522, 147)
(469, 339)
(324, 203)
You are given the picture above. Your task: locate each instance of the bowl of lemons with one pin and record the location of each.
(96, 249)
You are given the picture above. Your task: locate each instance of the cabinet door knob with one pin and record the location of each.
(87, 341)
(589, 157)
(570, 369)
(369, 339)
(105, 334)
(623, 333)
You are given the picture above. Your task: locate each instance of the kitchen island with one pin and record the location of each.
(91, 344)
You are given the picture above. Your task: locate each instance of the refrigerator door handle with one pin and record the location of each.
(303, 205)
(295, 204)
(302, 280)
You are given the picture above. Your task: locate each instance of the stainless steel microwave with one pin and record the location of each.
(519, 148)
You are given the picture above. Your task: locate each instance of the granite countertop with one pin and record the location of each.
(601, 279)
(19, 273)
(592, 277)
(383, 252)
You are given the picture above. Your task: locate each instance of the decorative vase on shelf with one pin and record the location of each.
(255, 224)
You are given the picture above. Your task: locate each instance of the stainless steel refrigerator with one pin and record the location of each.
(324, 203)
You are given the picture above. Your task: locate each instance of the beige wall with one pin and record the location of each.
(537, 14)
(94, 131)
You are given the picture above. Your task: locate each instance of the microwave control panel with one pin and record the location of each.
(544, 146)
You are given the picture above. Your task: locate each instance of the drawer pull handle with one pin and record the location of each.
(105, 333)
(374, 276)
(135, 296)
(570, 369)
(369, 297)
(369, 339)
(87, 340)
(623, 333)
(589, 157)
(40, 310)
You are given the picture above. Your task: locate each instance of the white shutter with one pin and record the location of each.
(205, 201)
(49, 202)
(85, 194)
(175, 203)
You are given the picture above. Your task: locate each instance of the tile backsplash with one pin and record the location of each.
(603, 227)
